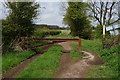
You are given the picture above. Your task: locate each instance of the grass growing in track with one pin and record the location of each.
(45, 65)
(75, 55)
(12, 59)
(110, 56)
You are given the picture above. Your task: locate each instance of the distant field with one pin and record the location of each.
(64, 34)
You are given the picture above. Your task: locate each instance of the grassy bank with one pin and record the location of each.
(110, 68)
(45, 65)
(110, 56)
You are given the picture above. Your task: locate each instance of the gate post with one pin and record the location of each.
(79, 44)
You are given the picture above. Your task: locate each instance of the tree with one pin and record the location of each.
(19, 23)
(77, 19)
(105, 13)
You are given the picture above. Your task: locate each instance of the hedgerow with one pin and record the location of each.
(41, 33)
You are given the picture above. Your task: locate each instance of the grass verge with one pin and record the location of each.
(45, 65)
(12, 59)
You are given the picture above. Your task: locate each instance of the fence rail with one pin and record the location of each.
(56, 41)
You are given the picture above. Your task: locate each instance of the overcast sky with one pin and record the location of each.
(49, 15)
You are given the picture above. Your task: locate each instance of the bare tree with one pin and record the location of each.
(63, 8)
(106, 13)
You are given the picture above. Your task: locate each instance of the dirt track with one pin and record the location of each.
(79, 68)
(67, 69)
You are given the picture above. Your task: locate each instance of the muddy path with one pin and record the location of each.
(79, 68)
(13, 72)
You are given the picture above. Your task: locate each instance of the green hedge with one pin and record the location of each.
(40, 33)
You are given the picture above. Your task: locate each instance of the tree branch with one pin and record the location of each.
(110, 14)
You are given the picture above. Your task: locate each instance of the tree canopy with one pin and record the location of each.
(77, 19)
(19, 23)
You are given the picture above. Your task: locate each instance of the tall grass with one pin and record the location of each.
(45, 65)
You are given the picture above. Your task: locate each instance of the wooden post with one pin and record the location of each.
(79, 44)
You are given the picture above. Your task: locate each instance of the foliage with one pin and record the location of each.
(41, 33)
(77, 20)
(45, 65)
(98, 33)
(19, 23)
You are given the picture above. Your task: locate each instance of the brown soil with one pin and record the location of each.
(13, 72)
(79, 68)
